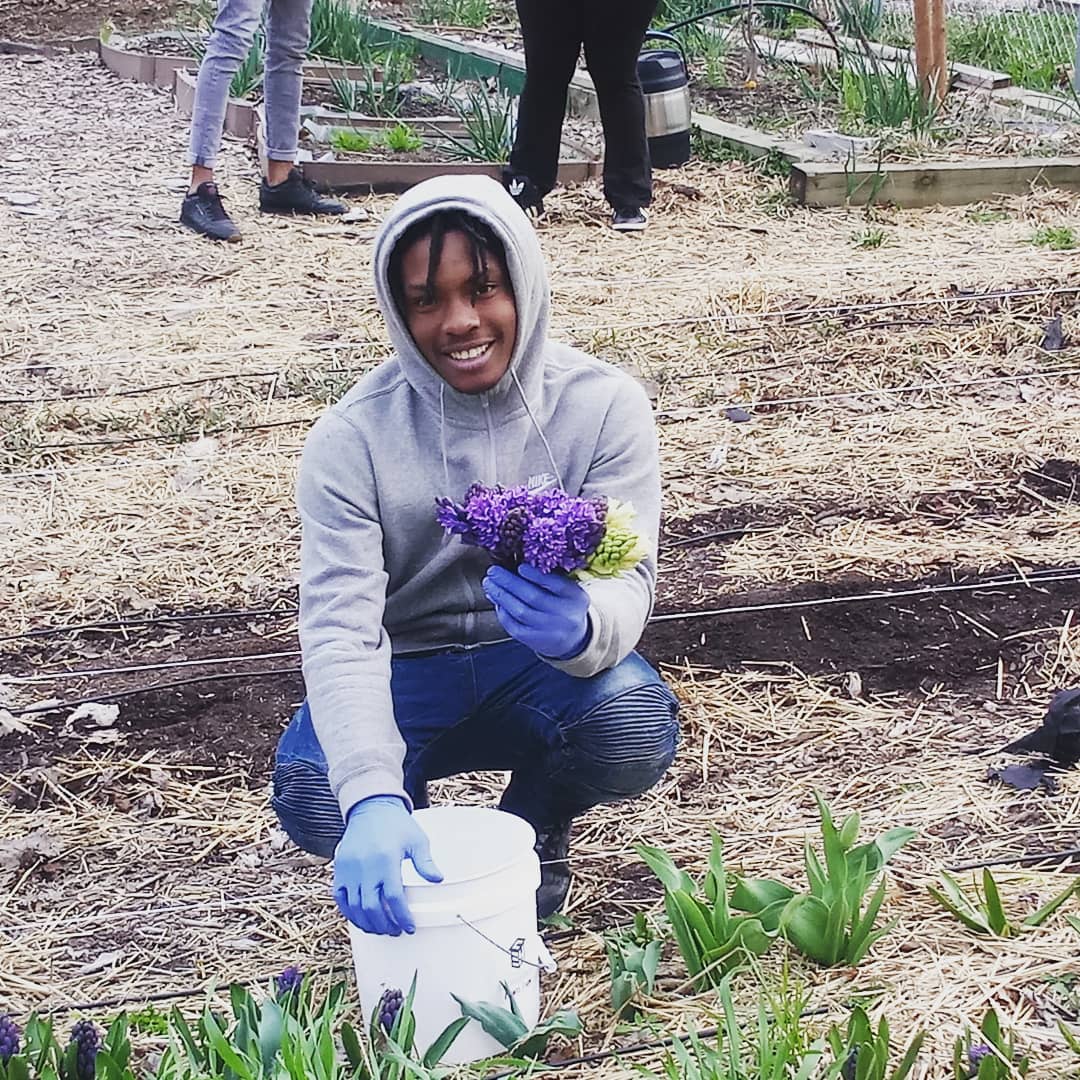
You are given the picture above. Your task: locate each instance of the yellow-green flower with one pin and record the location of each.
(621, 548)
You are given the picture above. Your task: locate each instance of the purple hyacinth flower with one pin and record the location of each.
(454, 519)
(975, 1055)
(85, 1036)
(550, 529)
(9, 1039)
(389, 1006)
(544, 544)
(289, 980)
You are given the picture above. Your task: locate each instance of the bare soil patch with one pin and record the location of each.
(230, 715)
(44, 20)
(948, 638)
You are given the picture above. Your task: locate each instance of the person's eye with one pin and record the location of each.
(486, 288)
(423, 302)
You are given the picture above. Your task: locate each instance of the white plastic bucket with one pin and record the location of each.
(475, 930)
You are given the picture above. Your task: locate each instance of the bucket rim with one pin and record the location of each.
(508, 863)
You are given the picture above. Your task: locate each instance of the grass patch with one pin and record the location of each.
(1055, 237)
(983, 216)
(870, 238)
(488, 131)
(338, 32)
(351, 142)
(771, 163)
(378, 91)
(472, 14)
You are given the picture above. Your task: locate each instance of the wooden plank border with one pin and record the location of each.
(930, 183)
(478, 60)
(815, 180)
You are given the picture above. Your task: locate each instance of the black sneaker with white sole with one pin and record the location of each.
(629, 219)
(203, 213)
(296, 195)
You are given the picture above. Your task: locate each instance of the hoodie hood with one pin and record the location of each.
(487, 200)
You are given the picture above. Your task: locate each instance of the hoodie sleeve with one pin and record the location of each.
(626, 466)
(346, 651)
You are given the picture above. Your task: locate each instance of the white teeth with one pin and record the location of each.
(470, 354)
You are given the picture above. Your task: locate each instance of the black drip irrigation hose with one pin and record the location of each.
(634, 1048)
(1065, 573)
(173, 995)
(1068, 855)
(152, 620)
(156, 688)
(728, 9)
(1027, 580)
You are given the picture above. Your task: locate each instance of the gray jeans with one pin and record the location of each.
(288, 23)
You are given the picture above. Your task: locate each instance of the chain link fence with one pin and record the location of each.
(1035, 43)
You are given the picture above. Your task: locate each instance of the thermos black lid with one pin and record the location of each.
(661, 69)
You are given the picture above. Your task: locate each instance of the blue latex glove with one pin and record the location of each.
(379, 834)
(549, 613)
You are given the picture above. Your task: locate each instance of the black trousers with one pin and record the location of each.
(611, 32)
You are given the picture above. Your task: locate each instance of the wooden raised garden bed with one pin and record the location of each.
(383, 171)
(482, 60)
(239, 115)
(152, 59)
(155, 59)
(934, 183)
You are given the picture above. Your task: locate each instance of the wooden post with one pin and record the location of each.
(939, 73)
(930, 63)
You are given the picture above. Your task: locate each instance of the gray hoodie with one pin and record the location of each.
(378, 576)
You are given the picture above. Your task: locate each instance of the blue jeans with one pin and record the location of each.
(569, 743)
(288, 24)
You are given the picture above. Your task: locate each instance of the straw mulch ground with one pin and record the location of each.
(888, 444)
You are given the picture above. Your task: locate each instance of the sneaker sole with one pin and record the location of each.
(236, 237)
(636, 226)
(289, 212)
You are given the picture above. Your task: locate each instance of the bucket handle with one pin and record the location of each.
(665, 35)
(544, 960)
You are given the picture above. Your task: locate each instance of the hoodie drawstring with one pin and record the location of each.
(442, 440)
(539, 429)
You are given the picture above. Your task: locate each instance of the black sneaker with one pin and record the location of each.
(553, 847)
(203, 213)
(296, 196)
(629, 219)
(524, 192)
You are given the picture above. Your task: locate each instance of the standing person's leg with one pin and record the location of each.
(614, 30)
(230, 39)
(288, 26)
(552, 31)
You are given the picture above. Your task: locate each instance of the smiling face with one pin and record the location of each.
(462, 317)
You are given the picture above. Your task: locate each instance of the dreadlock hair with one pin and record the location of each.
(481, 237)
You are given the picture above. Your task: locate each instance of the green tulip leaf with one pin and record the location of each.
(757, 895)
(1044, 913)
(437, 1050)
(501, 1024)
(995, 911)
(805, 923)
(661, 864)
